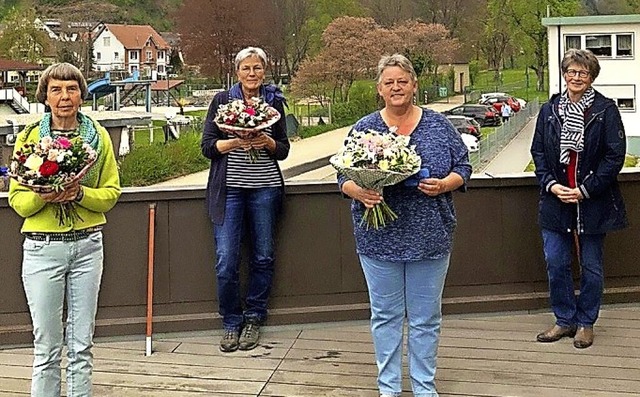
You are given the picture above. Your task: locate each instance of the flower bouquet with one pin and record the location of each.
(52, 165)
(374, 160)
(4, 179)
(245, 119)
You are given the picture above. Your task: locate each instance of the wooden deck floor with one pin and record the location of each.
(489, 355)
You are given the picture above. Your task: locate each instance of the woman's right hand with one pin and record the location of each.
(369, 198)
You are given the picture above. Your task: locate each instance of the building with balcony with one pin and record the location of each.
(130, 48)
(612, 38)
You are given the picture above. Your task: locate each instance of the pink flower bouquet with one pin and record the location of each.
(245, 119)
(52, 165)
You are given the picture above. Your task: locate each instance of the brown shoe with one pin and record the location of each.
(584, 338)
(556, 333)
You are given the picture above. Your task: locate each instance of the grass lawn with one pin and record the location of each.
(514, 82)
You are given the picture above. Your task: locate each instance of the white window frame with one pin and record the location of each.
(106, 41)
(160, 54)
(613, 39)
(133, 55)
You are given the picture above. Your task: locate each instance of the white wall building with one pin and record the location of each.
(614, 40)
(130, 48)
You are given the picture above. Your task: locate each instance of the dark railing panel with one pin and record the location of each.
(497, 263)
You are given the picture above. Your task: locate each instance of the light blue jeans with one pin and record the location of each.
(48, 268)
(414, 288)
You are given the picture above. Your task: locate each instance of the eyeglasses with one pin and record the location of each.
(581, 73)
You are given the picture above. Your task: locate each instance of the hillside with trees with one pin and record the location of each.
(156, 13)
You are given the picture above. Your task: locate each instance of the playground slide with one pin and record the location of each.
(102, 87)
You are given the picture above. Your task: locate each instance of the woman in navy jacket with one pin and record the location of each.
(245, 193)
(578, 148)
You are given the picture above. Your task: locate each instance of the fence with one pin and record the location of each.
(491, 144)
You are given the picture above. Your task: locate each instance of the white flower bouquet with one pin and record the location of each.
(374, 160)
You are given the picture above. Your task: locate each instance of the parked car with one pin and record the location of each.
(471, 142)
(466, 125)
(483, 114)
(497, 101)
(483, 97)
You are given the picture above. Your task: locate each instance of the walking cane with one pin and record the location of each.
(152, 228)
(576, 242)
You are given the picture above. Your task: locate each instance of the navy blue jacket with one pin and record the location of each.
(602, 208)
(216, 196)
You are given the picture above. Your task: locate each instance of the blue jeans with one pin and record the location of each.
(257, 208)
(571, 310)
(414, 288)
(48, 268)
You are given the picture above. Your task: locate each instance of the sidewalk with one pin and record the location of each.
(515, 157)
(309, 157)
(305, 155)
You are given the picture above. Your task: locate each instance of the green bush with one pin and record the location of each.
(150, 164)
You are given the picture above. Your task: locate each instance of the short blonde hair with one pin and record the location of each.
(60, 71)
(398, 60)
(250, 52)
(584, 58)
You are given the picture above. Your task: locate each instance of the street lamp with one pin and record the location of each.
(167, 68)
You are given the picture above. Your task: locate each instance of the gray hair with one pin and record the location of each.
(583, 58)
(250, 52)
(398, 60)
(60, 71)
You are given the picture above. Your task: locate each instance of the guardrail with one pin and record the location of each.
(491, 144)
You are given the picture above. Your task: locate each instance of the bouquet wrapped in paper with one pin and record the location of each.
(52, 165)
(374, 160)
(245, 119)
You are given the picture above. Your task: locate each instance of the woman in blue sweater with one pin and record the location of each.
(405, 263)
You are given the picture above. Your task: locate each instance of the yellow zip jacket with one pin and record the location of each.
(100, 193)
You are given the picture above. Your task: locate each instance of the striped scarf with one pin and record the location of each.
(572, 116)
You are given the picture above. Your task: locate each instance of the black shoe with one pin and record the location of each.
(229, 341)
(250, 336)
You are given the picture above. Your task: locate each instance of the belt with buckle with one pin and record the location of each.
(74, 235)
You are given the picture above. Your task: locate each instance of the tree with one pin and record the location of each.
(214, 31)
(21, 39)
(525, 17)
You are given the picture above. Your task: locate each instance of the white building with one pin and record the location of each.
(129, 48)
(613, 39)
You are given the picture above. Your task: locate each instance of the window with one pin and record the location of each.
(160, 54)
(98, 56)
(572, 42)
(149, 55)
(133, 55)
(106, 41)
(600, 45)
(625, 103)
(161, 69)
(624, 45)
(116, 56)
(133, 68)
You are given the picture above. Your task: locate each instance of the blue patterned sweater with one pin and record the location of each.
(425, 225)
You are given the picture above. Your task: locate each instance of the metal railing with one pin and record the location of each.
(491, 144)
(10, 94)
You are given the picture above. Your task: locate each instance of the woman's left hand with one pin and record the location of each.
(262, 141)
(432, 186)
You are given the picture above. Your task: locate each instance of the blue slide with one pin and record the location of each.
(102, 87)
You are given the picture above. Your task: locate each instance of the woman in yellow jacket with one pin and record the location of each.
(65, 257)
